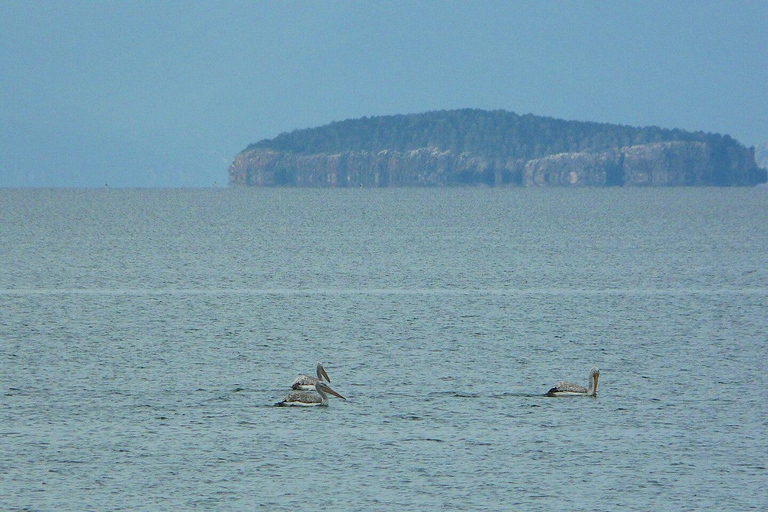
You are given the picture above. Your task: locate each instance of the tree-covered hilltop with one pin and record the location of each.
(494, 148)
(497, 133)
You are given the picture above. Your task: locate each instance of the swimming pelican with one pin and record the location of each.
(305, 399)
(308, 383)
(570, 389)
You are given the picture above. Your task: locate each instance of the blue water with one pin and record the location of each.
(146, 334)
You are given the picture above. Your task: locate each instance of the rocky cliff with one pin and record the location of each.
(492, 148)
(761, 154)
(424, 166)
(659, 164)
(656, 164)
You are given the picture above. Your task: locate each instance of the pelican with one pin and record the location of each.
(305, 399)
(570, 389)
(307, 383)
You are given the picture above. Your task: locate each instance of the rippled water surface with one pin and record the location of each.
(146, 334)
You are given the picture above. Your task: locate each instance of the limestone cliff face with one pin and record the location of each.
(679, 163)
(661, 164)
(761, 154)
(419, 167)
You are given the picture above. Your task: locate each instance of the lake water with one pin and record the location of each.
(146, 334)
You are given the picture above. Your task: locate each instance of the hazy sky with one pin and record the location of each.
(166, 93)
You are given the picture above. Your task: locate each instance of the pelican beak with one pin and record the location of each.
(332, 392)
(324, 375)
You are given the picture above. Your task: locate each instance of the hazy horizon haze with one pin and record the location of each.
(165, 94)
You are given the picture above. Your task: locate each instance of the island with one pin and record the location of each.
(472, 147)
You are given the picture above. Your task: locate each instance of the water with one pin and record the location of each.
(145, 335)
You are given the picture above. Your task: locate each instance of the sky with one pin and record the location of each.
(165, 93)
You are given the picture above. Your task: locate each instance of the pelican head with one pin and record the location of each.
(323, 388)
(594, 374)
(321, 373)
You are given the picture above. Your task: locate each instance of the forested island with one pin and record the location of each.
(473, 147)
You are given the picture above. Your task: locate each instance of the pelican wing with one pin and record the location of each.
(304, 382)
(300, 398)
(308, 383)
(566, 388)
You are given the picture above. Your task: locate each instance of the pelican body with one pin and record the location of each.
(307, 383)
(570, 389)
(307, 399)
